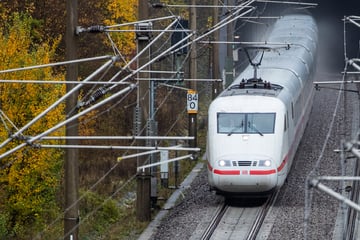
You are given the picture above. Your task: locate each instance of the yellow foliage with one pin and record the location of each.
(32, 176)
(120, 12)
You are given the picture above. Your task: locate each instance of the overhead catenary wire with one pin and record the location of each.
(61, 82)
(142, 21)
(61, 99)
(288, 2)
(176, 148)
(56, 64)
(5, 117)
(152, 30)
(123, 157)
(233, 16)
(96, 209)
(216, 27)
(102, 91)
(3, 121)
(91, 213)
(90, 189)
(142, 168)
(82, 219)
(163, 102)
(179, 80)
(119, 137)
(171, 49)
(133, 73)
(33, 140)
(116, 50)
(157, 5)
(104, 111)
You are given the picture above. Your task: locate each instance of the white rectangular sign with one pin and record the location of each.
(192, 101)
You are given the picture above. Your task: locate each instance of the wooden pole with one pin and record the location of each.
(71, 218)
(193, 75)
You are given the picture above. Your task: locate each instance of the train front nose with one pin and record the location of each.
(244, 176)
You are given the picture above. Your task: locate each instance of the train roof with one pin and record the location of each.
(285, 67)
(253, 87)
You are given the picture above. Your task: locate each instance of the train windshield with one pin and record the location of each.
(235, 123)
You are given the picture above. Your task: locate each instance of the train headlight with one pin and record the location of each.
(264, 163)
(224, 163)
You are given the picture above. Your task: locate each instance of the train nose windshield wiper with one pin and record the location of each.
(232, 131)
(239, 128)
(251, 125)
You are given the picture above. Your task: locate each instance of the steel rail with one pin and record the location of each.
(215, 221)
(261, 216)
(250, 229)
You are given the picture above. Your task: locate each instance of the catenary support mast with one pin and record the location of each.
(71, 217)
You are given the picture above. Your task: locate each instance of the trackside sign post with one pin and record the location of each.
(192, 101)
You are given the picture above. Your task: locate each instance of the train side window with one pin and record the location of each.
(285, 124)
(292, 110)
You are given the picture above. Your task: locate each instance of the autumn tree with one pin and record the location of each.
(120, 12)
(29, 178)
(113, 118)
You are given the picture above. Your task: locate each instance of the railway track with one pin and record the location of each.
(238, 221)
(215, 221)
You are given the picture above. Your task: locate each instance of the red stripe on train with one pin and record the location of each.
(262, 172)
(210, 167)
(227, 172)
(282, 165)
(251, 172)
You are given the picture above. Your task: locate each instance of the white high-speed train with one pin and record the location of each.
(256, 124)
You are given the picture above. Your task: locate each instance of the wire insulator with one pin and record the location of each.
(96, 29)
(96, 95)
(158, 5)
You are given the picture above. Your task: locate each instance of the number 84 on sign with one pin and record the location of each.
(192, 101)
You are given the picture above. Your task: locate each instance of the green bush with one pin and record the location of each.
(99, 212)
(3, 225)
